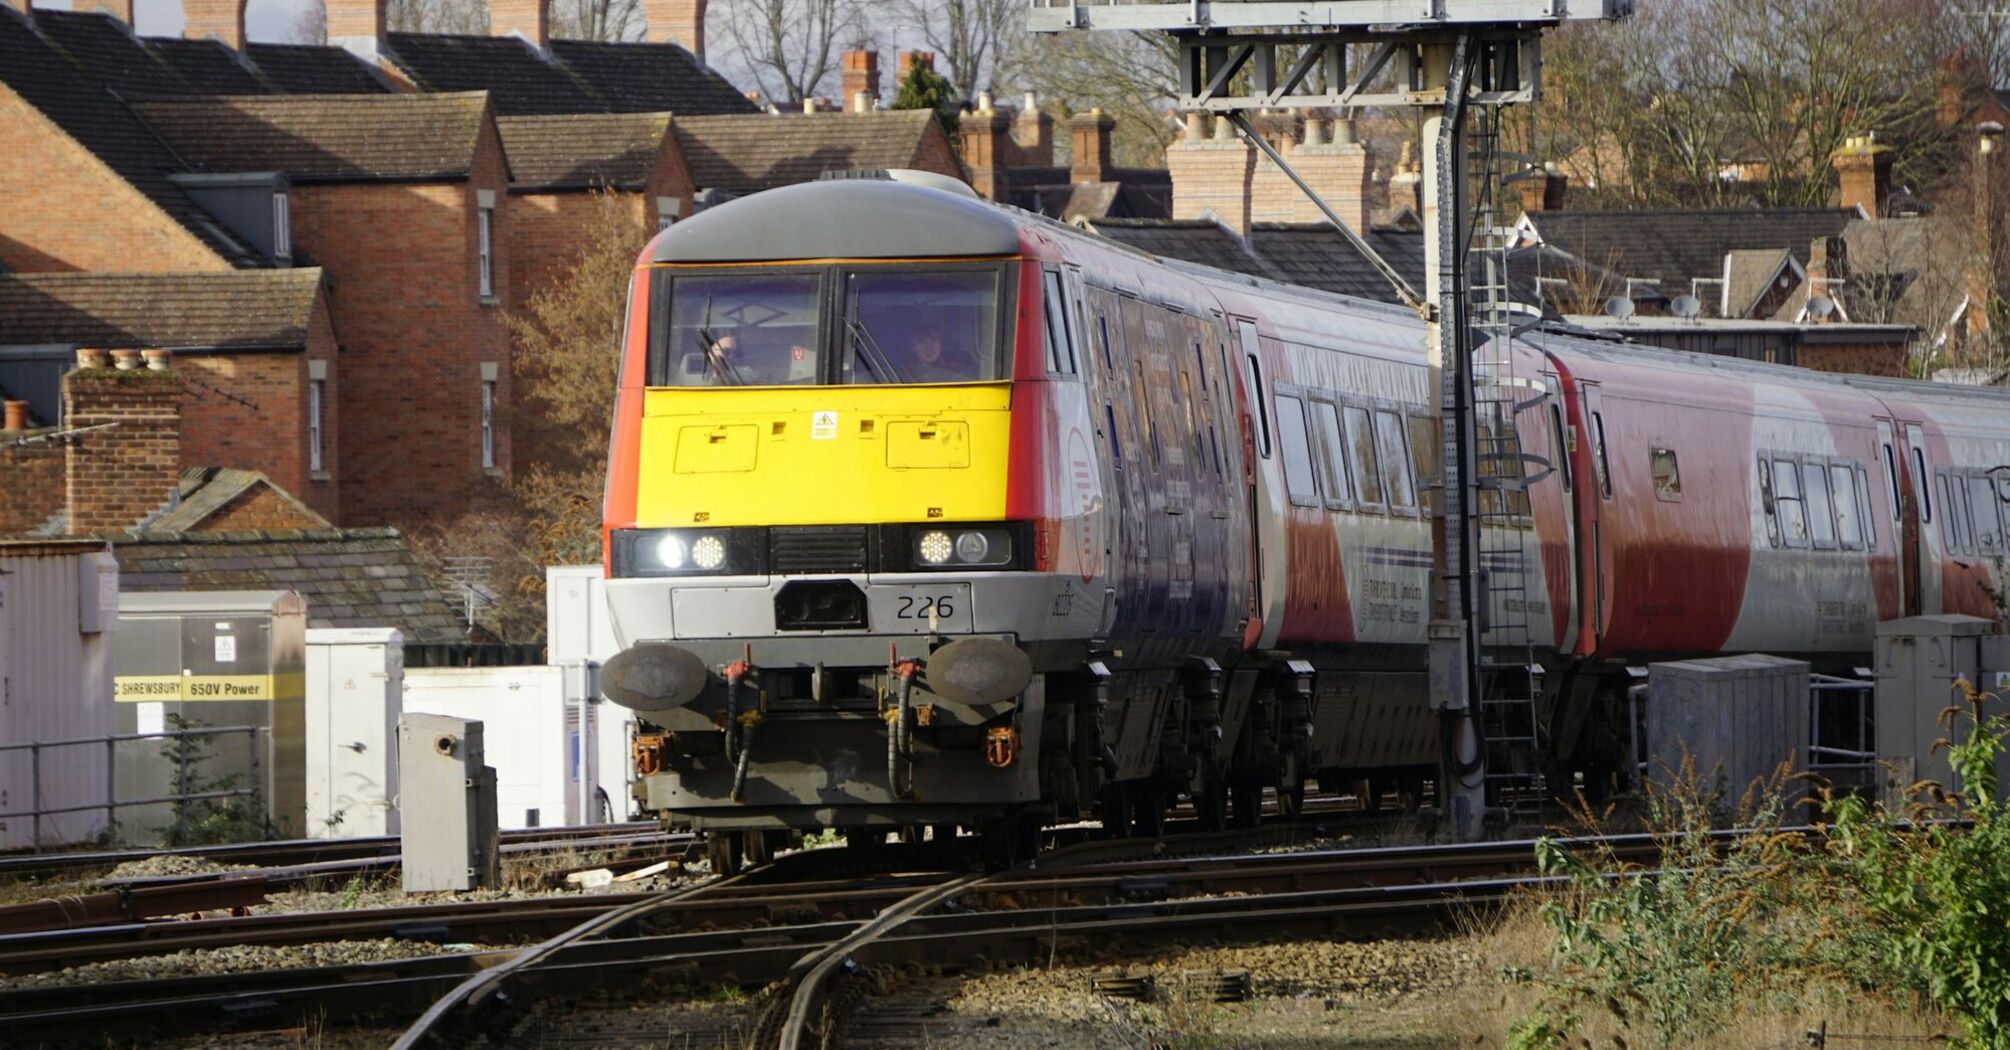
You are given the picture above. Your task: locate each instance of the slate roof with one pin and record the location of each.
(1672, 247)
(325, 137)
(66, 90)
(569, 152)
(208, 67)
(1314, 254)
(349, 577)
(312, 69)
(1135, 193)
(1202, 241)
(573, 76)
(743, 154)
(203, 491)
(1749, 279)
(265, 309)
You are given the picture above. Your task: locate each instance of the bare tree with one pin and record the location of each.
(610, 20)
(972, 39)
(786, 47)
(310, 26)
(1132, 76)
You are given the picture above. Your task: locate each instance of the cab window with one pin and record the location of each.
(917, 327)
(739, 330)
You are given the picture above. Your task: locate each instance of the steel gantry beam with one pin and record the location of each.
(1227, 72)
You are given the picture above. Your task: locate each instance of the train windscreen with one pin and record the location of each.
(939, 324)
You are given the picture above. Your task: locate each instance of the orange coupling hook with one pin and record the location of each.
(647, 753)
(1001, 746)
(906, 668)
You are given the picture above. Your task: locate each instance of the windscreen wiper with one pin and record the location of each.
(715, 355)
(866, 349)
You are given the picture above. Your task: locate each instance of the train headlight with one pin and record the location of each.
(973, 547)
(688, 552)
(933, 548)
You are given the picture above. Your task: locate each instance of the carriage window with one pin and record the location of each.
(1060, 357)
(1395, 460)
(1766, 501)
(1297, 447)
(1667, 475)
(1361, 455)
(1863, 502)
(1988, 518)
(1915, 436)
(1557, 443)
(1787, 498)
(1598, 455)
(1424, 455)
(739, 330)
(1821, 508)
(1950, 537)
(1849, 528)
(918, 327)
(1249, 351)
(1954, 504)
(1333, 453)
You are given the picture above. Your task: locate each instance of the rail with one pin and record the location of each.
(112, 803)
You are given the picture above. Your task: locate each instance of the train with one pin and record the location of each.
(924, 513)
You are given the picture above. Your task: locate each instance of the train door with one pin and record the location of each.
(1920, 538)
(1560, 449)
(1267, 594)
(1904, 515)
(1595, 557)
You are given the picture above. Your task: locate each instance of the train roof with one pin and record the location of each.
(844, 219)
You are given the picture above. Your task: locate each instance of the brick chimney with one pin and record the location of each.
(1089, 135)
(1406, 182)
(1543, 190)
(858, 73)
(985, 146)
(121, 475)
(528, 19)
(359, 26)
(1211, 173)
(679, 22)
(1864, 167)
(910, 59)
(222, 19)
(1327, 156)
(1032, 135)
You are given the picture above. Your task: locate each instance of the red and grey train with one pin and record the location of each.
(926, 511)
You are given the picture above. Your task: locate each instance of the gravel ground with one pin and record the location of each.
(162, 864)
(1377, 995)
(237, 959)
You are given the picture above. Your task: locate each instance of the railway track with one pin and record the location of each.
(764, 927)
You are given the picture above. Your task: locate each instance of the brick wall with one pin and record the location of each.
(1870, 359)
(121, 475)
(1214, 171)
(90, 218)
(260, 508)
(31, 479)
(936, 154)
(1211, 175)
(415, 332)
(987, 150)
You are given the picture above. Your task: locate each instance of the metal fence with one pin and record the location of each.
(1842, 740)
(179, 798)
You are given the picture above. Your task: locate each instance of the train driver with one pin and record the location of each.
(931, 359)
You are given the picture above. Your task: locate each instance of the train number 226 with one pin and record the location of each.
(919, 606)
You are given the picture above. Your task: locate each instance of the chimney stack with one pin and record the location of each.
(1543, 190)
(121, 475)
(359, 26)
(680, 22)
(985, 145)
(1211, 170)
(1089, 134)
(859, 74)
(17, 415)
(222, 19)
(910, 59)
(1864, 167)
(528, 19)
(1033, 135)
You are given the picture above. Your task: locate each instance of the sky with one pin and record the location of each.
(265, 21)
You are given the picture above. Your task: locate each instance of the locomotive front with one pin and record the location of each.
(819, 532)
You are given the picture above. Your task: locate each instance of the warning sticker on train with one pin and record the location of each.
(824, 426)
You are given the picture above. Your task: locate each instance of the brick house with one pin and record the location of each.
(1218, 174)
(256, 348)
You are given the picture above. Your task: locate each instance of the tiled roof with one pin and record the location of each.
(1314, 254)
(1135, 193)
(513, 73)
(349, 577)
(588, 149)
(650, 78)
(1750, 273)
(1202, 241)
(755, 152)
(108, 49)
(208, 67)
(242, 309)
(310, 69)
(206, 490)
(324, 137)
(1673, 247)
(69, 92)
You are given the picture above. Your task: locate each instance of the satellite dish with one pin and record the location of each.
(1687, 307)
(1820, 307)
(1619, 308)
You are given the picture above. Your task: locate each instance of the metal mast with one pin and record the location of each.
(1458, 61)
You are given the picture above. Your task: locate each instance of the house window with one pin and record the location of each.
(488, 424)
(316, 392)
(484, 218)
(282, 227)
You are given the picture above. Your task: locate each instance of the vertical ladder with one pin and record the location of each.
(1511, 685)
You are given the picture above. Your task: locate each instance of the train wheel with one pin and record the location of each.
(1246, 796)
(1116, 811)
(1291, 800)
(722, 848)
(1148, 811)
(763, 845)
(1211, 804)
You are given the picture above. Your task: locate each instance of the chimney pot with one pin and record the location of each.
(90, 358)
(17, 415)
(984, 103)
(809, 105)
(861, 102)
(1196, 125)
(1032, 103)
(157, 360)
(1315, 131)
(125, 360)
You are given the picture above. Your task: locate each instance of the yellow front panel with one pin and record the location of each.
(823, 455)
